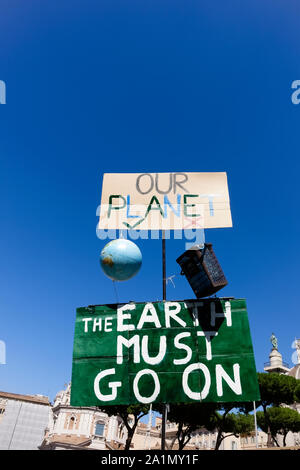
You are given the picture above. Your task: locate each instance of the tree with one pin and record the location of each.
(297, 393)
(229, 424)
(276, 389)
(188, 418)
(266, 425)
(280, 420)
(212, 416)
(126, 412)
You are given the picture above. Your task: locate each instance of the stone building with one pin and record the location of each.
(81, 427)
(277, 365)
(149, 438)
(88, 428)
(29, 422)
(23, 419)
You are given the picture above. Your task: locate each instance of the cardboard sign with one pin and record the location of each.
(164, 352)
(164, 201)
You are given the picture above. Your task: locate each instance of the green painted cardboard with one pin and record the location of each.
(172, 351)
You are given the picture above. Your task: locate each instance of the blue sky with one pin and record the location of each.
(152, 86)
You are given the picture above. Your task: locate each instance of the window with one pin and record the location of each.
(72, 422)
(233, 445)
(99, 431)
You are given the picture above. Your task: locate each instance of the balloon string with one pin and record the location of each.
(115, 288)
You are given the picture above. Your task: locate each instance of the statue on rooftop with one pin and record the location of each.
(274, 341)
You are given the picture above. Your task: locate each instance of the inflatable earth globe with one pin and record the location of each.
(120, 259)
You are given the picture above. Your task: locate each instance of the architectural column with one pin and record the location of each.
(90, 423)
(58, 427)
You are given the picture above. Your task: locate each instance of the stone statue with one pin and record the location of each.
(274, 341)
(297, 345)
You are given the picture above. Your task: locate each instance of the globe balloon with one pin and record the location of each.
(121, 259)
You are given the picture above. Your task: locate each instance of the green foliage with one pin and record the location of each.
(126, 412)
(276, 389)
(297, 393)
(280, 420)
(191, 414)
(244, 423)
(227, 424)
(262, 421)
(213, 417)
(188, 417)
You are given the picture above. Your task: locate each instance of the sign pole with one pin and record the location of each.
(255, 424)
(164, 411)
(164, 264)
(147, 444)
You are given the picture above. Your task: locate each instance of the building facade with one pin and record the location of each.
(81, 427)
(30, 422)
(276, 365)
(149, 438)
(23, 420)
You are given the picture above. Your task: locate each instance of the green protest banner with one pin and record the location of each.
(164, 352)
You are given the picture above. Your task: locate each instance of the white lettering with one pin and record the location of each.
(161, 354)
(97, 323)
(171, 311)
(235, 384)
(108, 324)
(135, 341)
(112, 385)
(193, 306)
(154, 395)
(86, 321)
(226, 314)
(208, 335)
(121, 316)
(196, 395)
(146, 318)
(179, 345)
